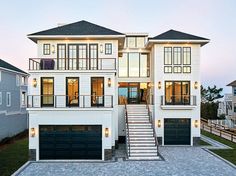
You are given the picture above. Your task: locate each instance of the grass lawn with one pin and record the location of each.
(203, 143)
(13, 156)
(228, 154)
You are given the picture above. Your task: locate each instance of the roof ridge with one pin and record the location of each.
(11, 67)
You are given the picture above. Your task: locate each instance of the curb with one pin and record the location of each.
(21, 168)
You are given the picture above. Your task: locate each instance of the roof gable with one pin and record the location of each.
(78, 28)
(232, 83)
(8, 66)
(177, 35)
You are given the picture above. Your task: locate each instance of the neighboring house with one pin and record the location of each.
(92, 87)
(13, 96)
(233, 108)
(225, 107)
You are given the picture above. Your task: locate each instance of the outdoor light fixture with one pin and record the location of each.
(196, 85)
(196, 123)
(101, 48)
(149, 85)
(34, 82)
(109, 82)
(32, 132)
(106, 132)
(159, 84)
(53, 49)
(159, 123)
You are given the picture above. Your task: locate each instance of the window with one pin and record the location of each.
(140, 42)
(130, 42)
(23, 80)
(134, 65)
(0, 98)
(186, 56)
(135, 42)
(234, 107)
(168, 56)
(72, 91)
(167, 69)
(177, 92)
(17, 80)
(108, 48)
(8, 98)
(186, 69)
(46, 49)
(177, 69)
(97, 91)
(47, 91)
(234, 88)
(23, 98)
(61, 55)
(177, 56)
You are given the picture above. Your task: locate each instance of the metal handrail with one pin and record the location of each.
(127, 132)
(152, 122)
(80, 101)
(183, 100)
(72, 64)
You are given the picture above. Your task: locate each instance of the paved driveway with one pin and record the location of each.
(179, 161)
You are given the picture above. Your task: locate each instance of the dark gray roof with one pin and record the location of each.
(232, 83)
(177, 35)
(78, 28)
(6, 65)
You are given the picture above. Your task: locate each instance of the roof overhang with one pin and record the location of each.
(13, 71)
(155, 41)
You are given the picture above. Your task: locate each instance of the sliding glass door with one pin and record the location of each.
(97, 91)
(72, 91)
(47, 92)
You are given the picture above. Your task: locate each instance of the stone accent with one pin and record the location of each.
(32, 154)
(196, 141)
(116, 144)
(159, 139)
(108, 154)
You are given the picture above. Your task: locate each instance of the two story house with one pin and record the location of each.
(13, 96)
(232, 115)
(92, 87)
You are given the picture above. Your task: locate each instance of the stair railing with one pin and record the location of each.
(127, 132)
(152, 121)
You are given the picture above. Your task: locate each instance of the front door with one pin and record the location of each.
(133, 93)
(97, 91)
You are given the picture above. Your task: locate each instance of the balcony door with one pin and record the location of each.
(97, 91)
(72, 91)
(47, 92)
(93, 56)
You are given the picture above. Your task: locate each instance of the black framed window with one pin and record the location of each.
(47, 91)
(186, 56)
(177, 92)
(108, 48)
(167, 56)
(72, 91)
(46, 49)
(97, 91)
(186, 69)
(177, 69)
(177, 55)
(61, 56)
(168, 69)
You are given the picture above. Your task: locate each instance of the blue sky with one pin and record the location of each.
(213, 19)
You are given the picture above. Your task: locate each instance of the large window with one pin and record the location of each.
(134, 65)
(135, 42)
(97, 91)
(72, 91)
(177, 60)
(47, 91)
(61, 55)
(177, 92)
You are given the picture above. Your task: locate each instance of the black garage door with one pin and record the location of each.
(177, 131)
(70, 142)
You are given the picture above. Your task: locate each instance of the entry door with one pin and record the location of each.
(72, 91)
(133, 93)
(97, 91)
(93, 56)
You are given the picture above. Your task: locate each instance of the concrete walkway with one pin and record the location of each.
(214, 144)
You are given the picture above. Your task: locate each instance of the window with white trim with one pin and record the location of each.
(17, 80)
(23, 98)
(108, 48)
(8, 99)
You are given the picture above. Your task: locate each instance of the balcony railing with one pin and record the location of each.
(66, 101)
(72, 64)
(187, 100)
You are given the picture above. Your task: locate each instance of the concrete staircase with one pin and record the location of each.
(141, 143)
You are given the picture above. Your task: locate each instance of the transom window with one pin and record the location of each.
(177, 60)
(46, 49)
(135, 42)
(108, 48)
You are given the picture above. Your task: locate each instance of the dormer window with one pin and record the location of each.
(108, 48)
(46, 49)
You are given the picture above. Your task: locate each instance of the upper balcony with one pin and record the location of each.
(179, 102)
(61, 64)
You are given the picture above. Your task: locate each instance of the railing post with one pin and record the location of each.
(112, 101)
(83, 101)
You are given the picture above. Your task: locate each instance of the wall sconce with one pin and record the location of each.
(196, 85)
(118, 84)
(101, 48)
(53, 49)
(109, 82)
(106, 132)
(34, 82)
(159, 123)
(196, 123)
(159, 85)
(32, 132)
(150, 85)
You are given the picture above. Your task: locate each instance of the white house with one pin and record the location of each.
(92, 87)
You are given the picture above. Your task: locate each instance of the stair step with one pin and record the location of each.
(140, 129)
(139, 138)
(142, 147)
(144, 157)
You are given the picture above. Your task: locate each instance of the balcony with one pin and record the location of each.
(72, 64)
(66, 101)
(179, 102)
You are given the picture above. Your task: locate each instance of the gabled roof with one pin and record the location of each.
(4, 64)
(232, 83)
(78, 28)
(177, 35)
